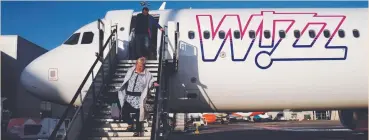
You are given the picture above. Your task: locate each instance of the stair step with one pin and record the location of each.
(134, 61)
(117, 85)
(116, 79)
(108, 120)
(104, 112)
(106, 70)
(117, 134)
(117, 125)
(104, 97)
(107, 108)
(110, 91)
(116, 129)
(99, 79)
(109, 101)
(105, 105)
(119, 138)
(152, 70)
(122, 74)
(121, 79)
(104, 116)
(114, 99)
(108, 96)
(132, 64)
(103, 121)
(112, 95)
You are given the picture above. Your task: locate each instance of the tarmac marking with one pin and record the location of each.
(307, 129)
(225, 129)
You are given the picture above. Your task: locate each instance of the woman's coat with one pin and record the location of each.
(122, 90)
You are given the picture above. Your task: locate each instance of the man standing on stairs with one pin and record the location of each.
(144, 24)
(133, 92)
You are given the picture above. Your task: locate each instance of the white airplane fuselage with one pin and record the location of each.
(235, 60)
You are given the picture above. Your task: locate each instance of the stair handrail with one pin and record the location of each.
(158, 89)
(176, 48)
(78, 92)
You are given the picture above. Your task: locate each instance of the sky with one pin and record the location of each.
(49, 23)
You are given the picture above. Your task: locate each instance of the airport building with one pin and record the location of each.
(305, 115)
(16, 54)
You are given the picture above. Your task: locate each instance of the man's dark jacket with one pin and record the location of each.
(144, 24)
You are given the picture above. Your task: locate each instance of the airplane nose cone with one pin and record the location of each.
(34, 79)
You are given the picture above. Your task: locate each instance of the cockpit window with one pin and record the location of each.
(87, 38)
(73, 40)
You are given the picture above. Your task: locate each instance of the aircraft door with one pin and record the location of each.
(187, 90)
(173, 37)
(121, 18)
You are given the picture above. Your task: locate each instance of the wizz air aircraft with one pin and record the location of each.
(235, 60)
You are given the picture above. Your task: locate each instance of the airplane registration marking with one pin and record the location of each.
(280, 17)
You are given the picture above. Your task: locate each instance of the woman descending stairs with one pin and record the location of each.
(101, 125)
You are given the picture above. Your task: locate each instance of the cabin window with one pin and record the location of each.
(236, 34)
(73, 40)
(267, 34)
(191, 34)
(312, 33)
(221, 34)
(341, 33)
(282, 34)
(297, 33)
(252, 34)
(326, 33)
(206, 34)
(356, 33)
(87, 38)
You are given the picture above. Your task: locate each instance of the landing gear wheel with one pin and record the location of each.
(354, 119)
(171, 124)
(165, 128)
(349, 120)
(169, 127)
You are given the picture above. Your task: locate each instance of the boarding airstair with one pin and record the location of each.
(92, 119)
(101, 126)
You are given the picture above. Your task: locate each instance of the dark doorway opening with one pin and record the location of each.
(152, 51)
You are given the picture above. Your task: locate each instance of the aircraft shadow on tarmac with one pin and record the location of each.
(316, 130)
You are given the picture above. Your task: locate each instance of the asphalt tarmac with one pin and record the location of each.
(290, 130)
